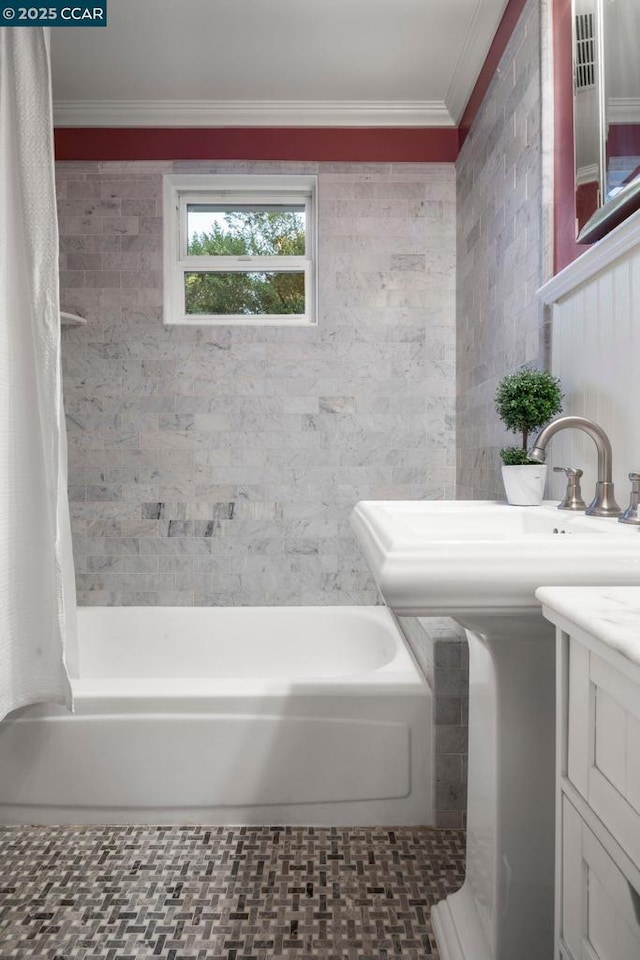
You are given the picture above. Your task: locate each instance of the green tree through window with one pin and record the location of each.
(251, 292)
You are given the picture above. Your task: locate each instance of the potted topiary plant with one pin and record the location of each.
(526, 401)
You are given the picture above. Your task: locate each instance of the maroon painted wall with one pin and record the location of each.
(356, 144)
(623, 140)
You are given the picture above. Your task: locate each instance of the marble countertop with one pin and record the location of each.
(612, 614)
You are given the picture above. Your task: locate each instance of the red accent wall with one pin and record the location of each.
(356, 144)
(623, 140)
(587, 196)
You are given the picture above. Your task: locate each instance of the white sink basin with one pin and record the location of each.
(480, 563)
(438, 557)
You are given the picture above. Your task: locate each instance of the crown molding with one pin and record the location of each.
(251, 113)
(588, 174)
(471, 59)
(623, 110)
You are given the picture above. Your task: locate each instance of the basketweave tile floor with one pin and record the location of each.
(194, 893)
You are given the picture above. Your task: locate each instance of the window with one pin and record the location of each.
(239, 249)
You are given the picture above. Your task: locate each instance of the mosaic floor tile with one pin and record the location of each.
(239, 893)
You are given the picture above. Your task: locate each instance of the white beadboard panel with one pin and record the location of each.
(596, 355)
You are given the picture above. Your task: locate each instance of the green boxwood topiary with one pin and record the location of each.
(514, 456)
(525, 401)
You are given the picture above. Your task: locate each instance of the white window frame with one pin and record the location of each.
(183, 189)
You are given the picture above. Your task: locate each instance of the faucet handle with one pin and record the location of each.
(631, 514)
(573, 494)
(571, 471)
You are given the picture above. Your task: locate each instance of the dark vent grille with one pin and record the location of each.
(585, 51)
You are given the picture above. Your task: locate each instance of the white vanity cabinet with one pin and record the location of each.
(598, 771)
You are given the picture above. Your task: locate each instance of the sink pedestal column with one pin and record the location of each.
(504, 911)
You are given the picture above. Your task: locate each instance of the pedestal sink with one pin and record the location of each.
(480, 563)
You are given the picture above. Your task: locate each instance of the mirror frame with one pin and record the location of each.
(613, 212)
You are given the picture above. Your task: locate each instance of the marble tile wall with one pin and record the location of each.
(440, 647)
(499, 254)
(218, 465)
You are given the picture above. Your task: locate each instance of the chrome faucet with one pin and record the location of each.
(604, 503)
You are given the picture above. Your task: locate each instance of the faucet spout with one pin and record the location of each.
(604, 503)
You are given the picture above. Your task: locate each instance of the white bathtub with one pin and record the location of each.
(250, 715)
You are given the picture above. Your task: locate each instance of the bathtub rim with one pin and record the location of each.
(278, 618)
(119, 696)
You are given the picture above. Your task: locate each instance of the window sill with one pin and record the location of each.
(240, 321)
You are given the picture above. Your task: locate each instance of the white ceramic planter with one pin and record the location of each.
(524, 485)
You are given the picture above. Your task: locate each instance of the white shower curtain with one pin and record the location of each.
(37, 600)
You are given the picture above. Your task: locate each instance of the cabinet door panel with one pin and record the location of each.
(600, 909)
(603, 744)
